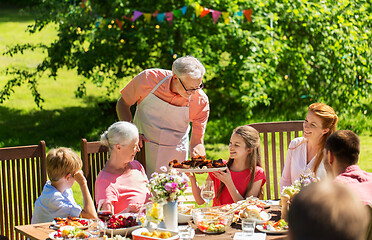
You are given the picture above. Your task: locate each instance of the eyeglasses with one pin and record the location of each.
(191, 91)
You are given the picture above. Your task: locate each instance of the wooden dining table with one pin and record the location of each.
(41, 231)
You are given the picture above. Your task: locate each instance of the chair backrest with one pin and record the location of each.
(22, 177)
(95, 156)
(275, 137)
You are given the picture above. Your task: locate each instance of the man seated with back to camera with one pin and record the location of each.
(327, 210)
(341, 162)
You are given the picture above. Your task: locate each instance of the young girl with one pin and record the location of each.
(306, 153)
(244, 176)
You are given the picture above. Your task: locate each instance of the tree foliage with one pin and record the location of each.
(292, 53)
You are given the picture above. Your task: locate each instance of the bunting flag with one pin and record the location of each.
(216, 15)
(136, 15)
(183, 10)
(248, 14)
(169, 16)
(204, 12)
(239, 14)
(120, 23)
(177, 13)
(198, 9)
(147, 17)
(160, 17)
(225, 16)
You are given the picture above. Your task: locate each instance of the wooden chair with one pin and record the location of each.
(22, 177)
(94, 157)
(275, 137)
(369, 229)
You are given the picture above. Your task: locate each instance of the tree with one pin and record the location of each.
(291, 50)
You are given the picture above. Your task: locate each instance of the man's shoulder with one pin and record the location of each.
(157, 73)
(200, 97)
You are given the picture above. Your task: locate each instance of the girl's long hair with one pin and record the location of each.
(252, 140)
(329, 120)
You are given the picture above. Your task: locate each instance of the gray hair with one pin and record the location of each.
(188, 66)
(119, 133)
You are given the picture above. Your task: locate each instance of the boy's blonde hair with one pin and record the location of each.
(62, 161)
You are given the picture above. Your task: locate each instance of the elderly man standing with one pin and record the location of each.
(341, 161)
(167, 101)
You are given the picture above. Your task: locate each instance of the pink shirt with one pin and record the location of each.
(359, 181)
(125, 189)
(141, 85)
(241, 181)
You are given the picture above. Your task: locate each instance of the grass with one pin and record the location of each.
(65, 119)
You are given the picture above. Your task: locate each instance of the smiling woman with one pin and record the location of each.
(306, 153)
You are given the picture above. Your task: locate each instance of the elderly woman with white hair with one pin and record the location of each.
(123, 180)
(167, 101)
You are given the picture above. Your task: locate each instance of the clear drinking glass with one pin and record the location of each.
(105, 211)
(207, 192)
(248, 226)
(185, 232)
(94, 228)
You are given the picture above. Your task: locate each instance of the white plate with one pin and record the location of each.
(260, 228)
(121, 231)
(52, 234)
(200, 170)
(81, 227)
(136, 235)
(266, 217)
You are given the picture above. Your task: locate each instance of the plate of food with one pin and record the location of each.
(122, 224)
(255, 213)
(81, 223)
(185, 212)
(69, 232)
(279, 227)
(199, 165)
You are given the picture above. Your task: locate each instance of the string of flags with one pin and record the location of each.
(200, 11)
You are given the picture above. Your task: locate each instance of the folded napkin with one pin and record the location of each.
(255, 236)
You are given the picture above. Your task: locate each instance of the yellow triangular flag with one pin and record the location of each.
(198, 9)
(147, 17)
(225, 16)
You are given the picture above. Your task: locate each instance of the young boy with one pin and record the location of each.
(57, 200)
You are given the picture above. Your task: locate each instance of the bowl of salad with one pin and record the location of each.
(212, 220)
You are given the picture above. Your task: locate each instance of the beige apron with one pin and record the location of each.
(166, 127)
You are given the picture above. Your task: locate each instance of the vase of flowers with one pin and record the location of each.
(289, 192)
(165, 188)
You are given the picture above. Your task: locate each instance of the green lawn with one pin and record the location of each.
(65, 119)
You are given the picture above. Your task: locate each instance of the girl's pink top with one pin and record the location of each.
(141, 85)
(241, 181)
(125, 189)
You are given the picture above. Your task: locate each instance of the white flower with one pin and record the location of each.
(163, 168)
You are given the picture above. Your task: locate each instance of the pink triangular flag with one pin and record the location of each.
(169, 16)
(136, 15)
(216, 15)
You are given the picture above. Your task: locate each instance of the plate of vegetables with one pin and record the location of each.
(69, 232)
(279, 227)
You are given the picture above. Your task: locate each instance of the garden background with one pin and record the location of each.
(268, 67)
